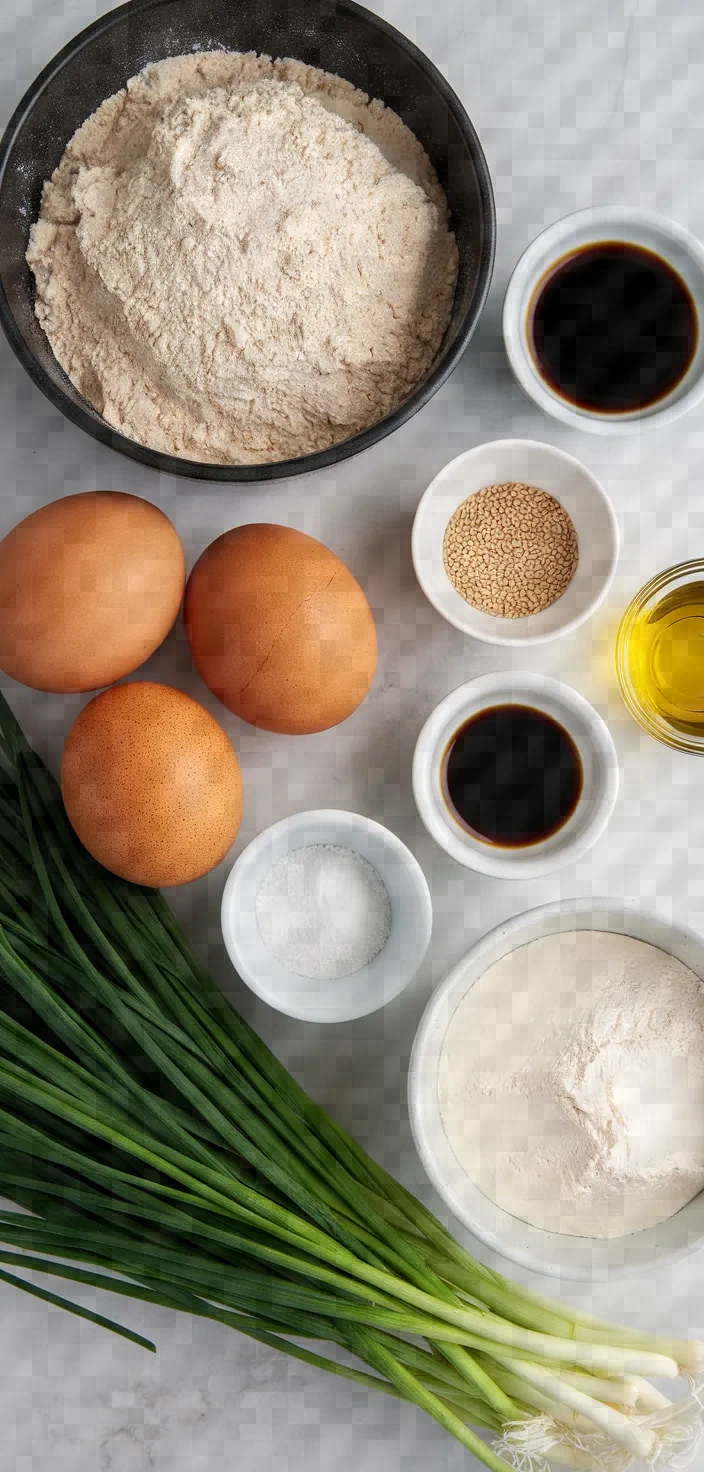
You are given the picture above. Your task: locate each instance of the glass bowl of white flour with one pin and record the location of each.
(556, 1089)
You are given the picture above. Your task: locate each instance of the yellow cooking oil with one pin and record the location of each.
(666, 658)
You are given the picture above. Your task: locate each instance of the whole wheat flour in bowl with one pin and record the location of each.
(241, 260)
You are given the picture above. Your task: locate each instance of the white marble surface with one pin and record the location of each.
(586, 102)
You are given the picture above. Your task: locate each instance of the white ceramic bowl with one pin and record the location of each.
(546, 1252)
(599, 763)
(385, 976)
(571, 484)
(613, 222)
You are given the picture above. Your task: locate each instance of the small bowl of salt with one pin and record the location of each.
(327, 916)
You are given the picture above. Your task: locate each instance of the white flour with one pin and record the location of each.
(572, 1084)
(241, 260)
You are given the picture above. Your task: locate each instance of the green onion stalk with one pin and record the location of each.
(158, 1150)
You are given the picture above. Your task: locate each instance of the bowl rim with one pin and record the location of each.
(345, 826)
(93, 425)
(646, 717)
(507, 640)
(586, 1259)
(512, 686)
(549, 245)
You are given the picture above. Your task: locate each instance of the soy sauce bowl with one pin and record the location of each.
(597, 755)
(679, 249)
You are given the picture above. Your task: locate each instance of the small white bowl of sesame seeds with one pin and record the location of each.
(515, 542)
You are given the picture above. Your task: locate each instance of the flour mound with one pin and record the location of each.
(571, 1083)
(241, 261)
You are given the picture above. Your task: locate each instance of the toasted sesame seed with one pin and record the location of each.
(510, 550)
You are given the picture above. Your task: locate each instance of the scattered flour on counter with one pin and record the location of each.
(240, 260)
(571, 1084)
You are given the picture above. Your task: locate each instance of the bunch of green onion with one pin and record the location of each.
(160, 1151)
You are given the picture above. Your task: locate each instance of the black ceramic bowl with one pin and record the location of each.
(338, 36)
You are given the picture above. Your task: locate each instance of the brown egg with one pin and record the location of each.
(151, 784)
(89, 587)
(280, 630)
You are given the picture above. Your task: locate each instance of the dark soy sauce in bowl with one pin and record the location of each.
(512, 776)
(613, 328)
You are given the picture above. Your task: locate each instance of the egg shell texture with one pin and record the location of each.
(90, 586)
(151, 784)
(280, 630)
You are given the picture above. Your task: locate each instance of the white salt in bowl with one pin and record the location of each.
(391, 969)
(556, 1253)
(551, 470)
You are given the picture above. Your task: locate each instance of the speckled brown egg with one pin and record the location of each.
(280, 630)
(151, 784)
(89, 588)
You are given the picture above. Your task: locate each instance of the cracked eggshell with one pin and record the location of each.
(280, 630)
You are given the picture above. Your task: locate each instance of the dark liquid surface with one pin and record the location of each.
(613, 328)
(512, 775)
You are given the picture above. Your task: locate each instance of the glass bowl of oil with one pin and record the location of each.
(660, 657)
